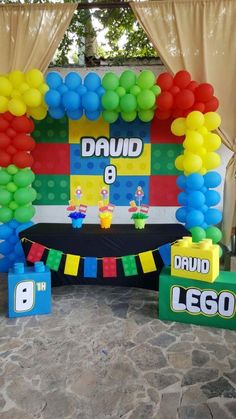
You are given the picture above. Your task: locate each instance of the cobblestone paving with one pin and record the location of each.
(104, 354)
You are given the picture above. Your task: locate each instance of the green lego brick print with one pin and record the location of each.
(129, 265)
(54, 259)
(51, 130)
(163, 158)
(52, 189)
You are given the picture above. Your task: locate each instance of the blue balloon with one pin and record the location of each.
(81, 90)
(56, 113)
(62, 89)
(212, 198)
(194, 181)
(75, 115)
(24, 226)
(92, 81)
(213, 216)
(18, 249)
(92, 116)
(5, 231)
(13, 224)
(181, 214)
(73, 80)
(196, 199)
(71, 101)
(100, 91)
(13, 239)
(203, 189)
(52, 98)
(6, 248)
(12, 256)
(194, 218)
(181, 181)
(204, 208)
(90, 101)
(5, 264)
(53, 79)
(212, 179)
(182, 198)
(204, 226)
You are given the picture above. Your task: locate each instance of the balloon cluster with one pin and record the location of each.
(181, 95)
(16, 194)
(200, 143)
(129, 95)
(10, 246)
(15, 140)
(22, 93)
(73, 97)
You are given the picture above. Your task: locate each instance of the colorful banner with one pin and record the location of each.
(54, 259)
(147, 262)
(129, 265)
(36, 252)
(90, 267)
(72, 264)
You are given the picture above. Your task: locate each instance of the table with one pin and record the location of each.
(92, 240)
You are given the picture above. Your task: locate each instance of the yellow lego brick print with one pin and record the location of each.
(195, 260)
(132, 166)
(91, 187)
(85, 128)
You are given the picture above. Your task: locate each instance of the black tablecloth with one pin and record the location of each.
(92, 240)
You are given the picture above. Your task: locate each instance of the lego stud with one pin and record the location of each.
(19, 268)
(39, 267)
(205, 244)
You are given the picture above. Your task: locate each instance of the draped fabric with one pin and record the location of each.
(31, 33)
(200, 36)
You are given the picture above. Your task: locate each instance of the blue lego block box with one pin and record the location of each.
(29, 290)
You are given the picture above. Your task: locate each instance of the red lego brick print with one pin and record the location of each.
(51, 159)
(161, 132)
(109, 267)
(163, 191)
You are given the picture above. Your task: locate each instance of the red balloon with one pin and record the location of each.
(162, 114)
(11, 150)
(165, 81)
(184, 99)
(4, 140)
(204, 92)
(23, 142)
(3, 124)
(174, 90)
(10, 132)
(22, 159)
(212, 105)
(5, 159)
(182, 79)
(23, 124)
(192, 85)
(8, 116)
(177, 113)
(165, 101)
(198, 106)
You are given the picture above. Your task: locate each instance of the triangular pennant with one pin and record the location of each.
(90, 267)
(147, 261)
(165, 253)
(109, 267)
(36, 252)
(72, 265)
(129, 265)
(54, 259)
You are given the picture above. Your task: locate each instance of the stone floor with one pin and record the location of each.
(104, 354)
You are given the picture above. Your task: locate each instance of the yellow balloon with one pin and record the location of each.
(32, 98)
(179, 163)
(212, 120)
(15, 93)
(38, 113)
(34, 77)
(178, 127)
(212, 141)
(23, 88)
(212, 160)
(3, 104)
(43, 88)
(193, 140)
(192, 162)
(203, 130)
(16, 78)
(5, 87)
(201, 152)
(202, 171)
(17, 107)
(195, 120)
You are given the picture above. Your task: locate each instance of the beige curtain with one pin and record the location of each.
(200, 36)
(31, 33)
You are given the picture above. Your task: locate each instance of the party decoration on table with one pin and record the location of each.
(90, 267)
(106, 209)
(54, 259)
(23, 93)
(147, 262)
(180, 95)
(36, 252)
(72, 265)
(129, 265)
(77, 216)
(109, 267)
(139, 211)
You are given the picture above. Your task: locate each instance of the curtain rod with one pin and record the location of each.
(102, 5)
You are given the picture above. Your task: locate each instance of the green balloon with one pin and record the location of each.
(146, 116)
(146, 99)
(110, 100)
(110, 81)
(25, 195)
(11, 187)
(13, 205)
(128, 103)
(6, 214)
(127, 79)
(220, 251)
(12, 169)
(135, 90)
(5, 197)
(24, 177)
(110, 116)
(146, 79)
(24, 214)
(156, 90)
(120, 91)
(129, 116)
(214, 234)
(4, 177)
(198, 234)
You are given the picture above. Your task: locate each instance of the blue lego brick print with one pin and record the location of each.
(122, 191)
(136, 129)
(29, 290)
(86, 165)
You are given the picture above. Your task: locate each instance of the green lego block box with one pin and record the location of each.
(191, 301)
